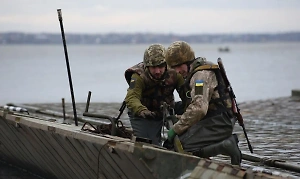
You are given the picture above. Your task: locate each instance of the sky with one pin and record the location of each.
(151, 16)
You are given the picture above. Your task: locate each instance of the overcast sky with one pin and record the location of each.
(154, 16)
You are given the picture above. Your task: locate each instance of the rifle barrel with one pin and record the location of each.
(248, 142)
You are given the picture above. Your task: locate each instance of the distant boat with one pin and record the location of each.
(224, 49)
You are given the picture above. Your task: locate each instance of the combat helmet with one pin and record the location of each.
(154, 55)
(179, 52)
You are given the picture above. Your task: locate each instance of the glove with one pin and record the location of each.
(171, 135)
(147, 114)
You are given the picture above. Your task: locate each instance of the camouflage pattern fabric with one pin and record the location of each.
(146, 93)
(198, 107)
(154, 55)
(179, 52)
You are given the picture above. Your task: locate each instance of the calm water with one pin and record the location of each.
(38, 74)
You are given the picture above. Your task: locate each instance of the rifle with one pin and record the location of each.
(235, 107)
(166, 113)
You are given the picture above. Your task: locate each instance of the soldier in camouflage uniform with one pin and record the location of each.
(150, 84)
(205, 128)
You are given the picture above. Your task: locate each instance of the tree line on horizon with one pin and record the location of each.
(142, 38)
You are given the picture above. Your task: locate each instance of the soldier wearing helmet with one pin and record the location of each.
(205, 128)
(150, 84)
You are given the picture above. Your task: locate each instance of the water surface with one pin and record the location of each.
(38, 73)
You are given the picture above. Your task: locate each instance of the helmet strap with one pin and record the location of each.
(189, 64)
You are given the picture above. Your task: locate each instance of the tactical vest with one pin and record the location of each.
(216, 125)
(156, 91)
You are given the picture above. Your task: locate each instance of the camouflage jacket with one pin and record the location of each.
(145, 92)
(206, 95)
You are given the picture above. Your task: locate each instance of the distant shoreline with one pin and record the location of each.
(144, 38)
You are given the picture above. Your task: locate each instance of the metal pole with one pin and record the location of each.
(272, 162)
(88, 102)
(67, 63)
(64, 111)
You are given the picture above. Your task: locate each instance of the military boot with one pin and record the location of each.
(227, 147)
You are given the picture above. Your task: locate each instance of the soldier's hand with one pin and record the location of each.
(147, 114)
(171, 135)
